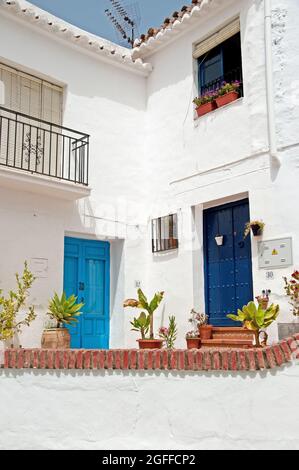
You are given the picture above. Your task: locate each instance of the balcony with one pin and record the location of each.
(42, 156)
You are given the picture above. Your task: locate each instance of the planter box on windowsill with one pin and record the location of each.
(206, 108)
(227, 98)
(232, 103)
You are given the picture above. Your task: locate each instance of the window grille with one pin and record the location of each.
(165, 233)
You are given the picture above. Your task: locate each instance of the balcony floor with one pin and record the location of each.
(43, 185)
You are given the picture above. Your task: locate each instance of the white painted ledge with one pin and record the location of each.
(43, 185)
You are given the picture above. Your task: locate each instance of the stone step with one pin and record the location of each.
(232, 333)
(227, 343)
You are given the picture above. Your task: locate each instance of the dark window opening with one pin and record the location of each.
(165, 233)
(221, 64)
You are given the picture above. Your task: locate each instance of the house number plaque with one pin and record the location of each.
(275, 253)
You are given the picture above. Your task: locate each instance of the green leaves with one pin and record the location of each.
(11, 305)
(141, 324)
(255, 318)
(64, 310)
(142, 302)
(156, 301)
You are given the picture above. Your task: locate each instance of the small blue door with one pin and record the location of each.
(87, 275)
(228, 268)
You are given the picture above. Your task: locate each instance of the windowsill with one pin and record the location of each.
(212, 113)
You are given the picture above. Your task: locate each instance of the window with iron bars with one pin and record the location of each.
(221, 64)
(165, 233)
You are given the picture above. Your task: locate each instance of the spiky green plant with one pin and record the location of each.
(169, 334)
(256, 319)
(11, 306)
(64, 310)
(150, 307)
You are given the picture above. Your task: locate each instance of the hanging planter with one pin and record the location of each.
(228, 93)
(256, 226)
(206, 108)
(227, 98)
(219, 239)
(205, 103)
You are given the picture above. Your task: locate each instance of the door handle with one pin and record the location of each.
(241, 244)
(81, 286)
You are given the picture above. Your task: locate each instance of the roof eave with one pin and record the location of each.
(90, 44)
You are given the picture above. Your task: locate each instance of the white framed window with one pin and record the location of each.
(30, 95)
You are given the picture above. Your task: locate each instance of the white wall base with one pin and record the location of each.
(105, 410)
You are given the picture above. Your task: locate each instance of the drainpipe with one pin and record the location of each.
(270, 85)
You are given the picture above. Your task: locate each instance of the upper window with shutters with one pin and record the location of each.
(30, 95)
(219, 64)
(32, 137)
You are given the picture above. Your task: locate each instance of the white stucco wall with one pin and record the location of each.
(107, 102)
(149, 157)
(149, 411)
(223, 156)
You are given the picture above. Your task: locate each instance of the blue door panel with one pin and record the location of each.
(228, 269)
(88, 276)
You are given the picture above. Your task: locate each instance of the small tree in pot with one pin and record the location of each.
(64, 311)
(150, 307)
(256, 319)
(11, 306)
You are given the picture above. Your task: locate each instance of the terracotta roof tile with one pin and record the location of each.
(168, 22)
(83, 39)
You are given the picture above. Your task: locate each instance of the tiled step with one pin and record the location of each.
(229, 333)
(227, 343)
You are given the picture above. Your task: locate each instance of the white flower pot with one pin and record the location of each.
(219, 240)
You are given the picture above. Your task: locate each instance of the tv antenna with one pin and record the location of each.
(125, 19)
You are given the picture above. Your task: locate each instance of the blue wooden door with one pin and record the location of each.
(87, 275)
(228, 268)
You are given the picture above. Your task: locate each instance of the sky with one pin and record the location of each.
(90, 14)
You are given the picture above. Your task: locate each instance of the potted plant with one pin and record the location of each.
(227, 93)
(193, 340)
(169, 334)
(63, 311)
(141, 325)
(205, 330)
(11, 306)
(292, 291)
(205, 103)
(263, 300)
(219, 240)
(200, 324)
(257, 320)
(150, 308)
(257, 227)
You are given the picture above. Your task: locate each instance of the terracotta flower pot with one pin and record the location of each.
(193, 343)
(227, 98)
(206, 108)
(206, 331)
(56, 338)
(256, 230)
(150, 343)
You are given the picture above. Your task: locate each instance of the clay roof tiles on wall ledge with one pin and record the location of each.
(92, 43)
(156, 37)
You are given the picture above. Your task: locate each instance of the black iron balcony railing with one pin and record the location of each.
(231, 76)
(44, 148)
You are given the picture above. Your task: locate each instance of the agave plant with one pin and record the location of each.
(150, 307)
(256, 318)
(141, 324)
(64, 310)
